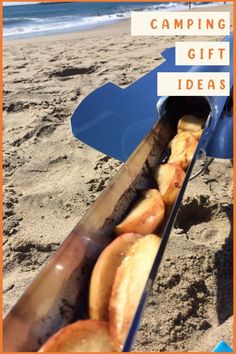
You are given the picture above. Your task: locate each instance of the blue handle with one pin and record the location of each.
(115, 120)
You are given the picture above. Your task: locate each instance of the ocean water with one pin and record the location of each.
(30, 20)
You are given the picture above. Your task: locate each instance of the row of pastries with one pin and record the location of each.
(122, 269)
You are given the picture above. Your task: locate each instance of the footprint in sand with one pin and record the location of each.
(27, 254)
(14, 107)
(194, 211)
(27, 136)
(46, 130)
(11, 222)
(201, 221)
(72, 71)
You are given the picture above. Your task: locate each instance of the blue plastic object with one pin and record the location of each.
(222, 347)
(218, 134)
(115, 120)
(221, 144)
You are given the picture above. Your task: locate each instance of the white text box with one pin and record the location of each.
(202, 53)
(180, 23)
(193, 84)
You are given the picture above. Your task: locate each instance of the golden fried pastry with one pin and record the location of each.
(182, 147)
(169, 177)
(130, 280)
(104, 274)
(146, 215)
(191, 124)
(81, 336)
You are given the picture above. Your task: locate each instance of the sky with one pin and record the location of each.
(10, 3)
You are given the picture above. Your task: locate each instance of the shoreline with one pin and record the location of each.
(113, 28)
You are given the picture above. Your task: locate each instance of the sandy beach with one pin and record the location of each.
(51, 179)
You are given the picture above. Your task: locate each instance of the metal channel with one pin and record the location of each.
(59, 293)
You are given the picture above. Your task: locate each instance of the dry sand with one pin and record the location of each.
(50, 179)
